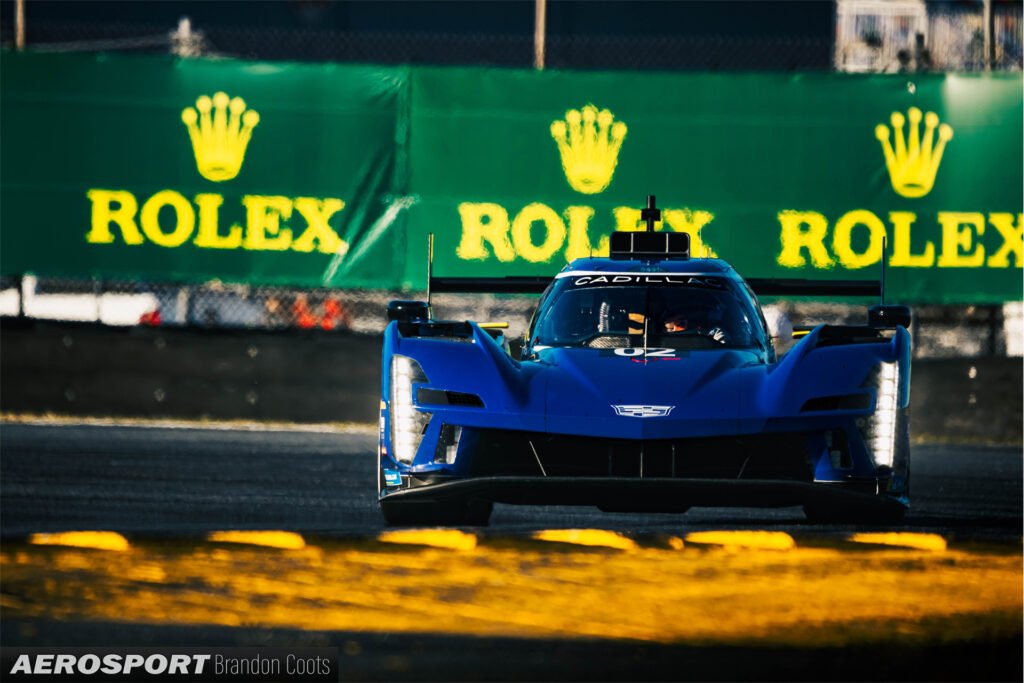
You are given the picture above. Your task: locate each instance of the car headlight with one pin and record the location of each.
(407, 424)
(880, 428)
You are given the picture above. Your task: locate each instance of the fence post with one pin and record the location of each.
(539, 29)
(988, 47)
(19, 24)
(995, 328)
(21, 295)
(97, 290)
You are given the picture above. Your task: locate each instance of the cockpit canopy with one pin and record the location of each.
(678, 312)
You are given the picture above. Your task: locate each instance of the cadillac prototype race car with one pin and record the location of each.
(648, 381)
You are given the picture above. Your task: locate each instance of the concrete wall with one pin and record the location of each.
(88, 369)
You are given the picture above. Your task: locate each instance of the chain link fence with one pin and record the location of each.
(939, 331)
(225, 305)
(658, 52)
(870, 36)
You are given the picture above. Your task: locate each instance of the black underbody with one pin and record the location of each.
(782, 456)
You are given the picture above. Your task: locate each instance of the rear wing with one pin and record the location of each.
(650, 244)
(490, 285)
(797, 287)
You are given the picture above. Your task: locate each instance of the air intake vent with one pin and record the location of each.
(439, 397)
(847, 402)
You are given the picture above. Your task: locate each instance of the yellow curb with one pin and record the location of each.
(755, 540)
(589, 537)
(931, 542)
(452, 539)
(98, 540)
(286, 540)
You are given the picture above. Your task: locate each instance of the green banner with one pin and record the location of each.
(782, 175)
(156, 168)
(333, 175)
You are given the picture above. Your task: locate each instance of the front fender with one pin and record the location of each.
(811, 370)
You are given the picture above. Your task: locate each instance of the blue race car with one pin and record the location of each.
(648, 381)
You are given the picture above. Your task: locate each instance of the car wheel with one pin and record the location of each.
(432, 513)
(478, 512)
(642, 507)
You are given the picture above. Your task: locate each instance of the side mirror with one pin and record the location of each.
(404, 311)
(889, 316)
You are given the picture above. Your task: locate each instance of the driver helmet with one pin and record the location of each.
(683, 320)
(677, 322)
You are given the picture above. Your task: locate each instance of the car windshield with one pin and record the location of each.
(706, 315)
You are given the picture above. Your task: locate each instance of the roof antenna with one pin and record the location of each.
(651, 214)
(430, 267)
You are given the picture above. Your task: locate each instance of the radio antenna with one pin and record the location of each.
(430, 264)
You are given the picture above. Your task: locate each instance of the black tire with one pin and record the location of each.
(432, 513)
(642, 507)
(478, 512)
(890, 515)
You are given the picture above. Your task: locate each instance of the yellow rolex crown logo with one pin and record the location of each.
(589, 144)
(220, 129)
(913, 160)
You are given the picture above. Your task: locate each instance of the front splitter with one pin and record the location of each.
(619, 492)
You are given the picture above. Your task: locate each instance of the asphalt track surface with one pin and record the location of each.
(190, 481)
(178, 484)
